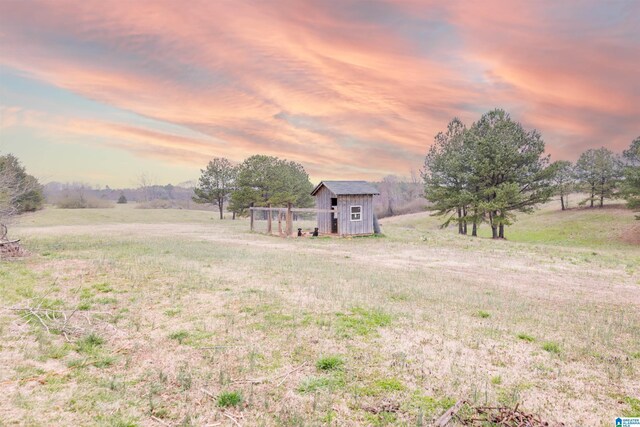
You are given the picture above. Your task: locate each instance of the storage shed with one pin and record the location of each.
(353, 201)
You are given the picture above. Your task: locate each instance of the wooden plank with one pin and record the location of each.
(447, 416)
(269, 220)
(251, 213)
(289, 220)
(294, 210)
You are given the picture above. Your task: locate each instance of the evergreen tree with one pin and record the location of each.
(266, 180)
(599, 172)
(563, 180)
(26, 192)
(509, 164)
(19, 191)
(447, 176)
(490, 172)
(631, 183)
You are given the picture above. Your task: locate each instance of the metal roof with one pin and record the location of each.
(342, 188)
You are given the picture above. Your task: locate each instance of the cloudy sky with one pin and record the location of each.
(102, 91)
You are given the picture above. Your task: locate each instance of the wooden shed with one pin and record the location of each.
(353, 203)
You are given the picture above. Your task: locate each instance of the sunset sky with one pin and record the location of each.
(102, 91)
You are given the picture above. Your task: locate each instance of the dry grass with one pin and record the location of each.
(177, 317)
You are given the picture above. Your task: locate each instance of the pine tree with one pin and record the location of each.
(599, 172)
(631, 183)
(563, 180)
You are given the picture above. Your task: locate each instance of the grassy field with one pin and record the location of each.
(125, 317)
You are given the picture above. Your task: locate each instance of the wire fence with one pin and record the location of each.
(285, 222)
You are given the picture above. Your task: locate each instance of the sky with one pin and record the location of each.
(102, 92)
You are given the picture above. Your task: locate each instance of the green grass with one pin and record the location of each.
(633, 407)
(89, 344)
(551, 347)
(228, 399)
(271, 319)
(329, 363)
(179, 336)
(361, 321)
(526, 337)
(118, 214)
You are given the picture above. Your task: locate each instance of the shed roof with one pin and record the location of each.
(341, 188)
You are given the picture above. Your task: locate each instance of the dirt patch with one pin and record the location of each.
(632, 234)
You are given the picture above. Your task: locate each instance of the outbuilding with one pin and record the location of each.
(345, 207)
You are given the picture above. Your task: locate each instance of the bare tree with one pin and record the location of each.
(146, 186)
(389, 194)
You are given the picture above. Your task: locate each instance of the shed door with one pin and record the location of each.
(334, 218)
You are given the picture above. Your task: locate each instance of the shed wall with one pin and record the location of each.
(348, 227)
(323, 201)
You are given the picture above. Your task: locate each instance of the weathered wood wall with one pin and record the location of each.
(345, 225)
(323, 201)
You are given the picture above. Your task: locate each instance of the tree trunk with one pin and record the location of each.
(494, 227)
(562, 202)
(234, 215)
(459, 220)
(593, 194)
(601, 200)
(474, 230)
(464, 220)
(221, 207)
(501, 232)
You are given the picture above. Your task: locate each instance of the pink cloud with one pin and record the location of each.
(321, 84)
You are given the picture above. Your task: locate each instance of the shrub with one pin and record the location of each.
(78, 201)
(122, 200)
(483, 314)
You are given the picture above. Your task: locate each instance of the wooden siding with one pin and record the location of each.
(323, 201)
(347, 227)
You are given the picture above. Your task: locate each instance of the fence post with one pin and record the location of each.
(269, 219)
(289, 220)
(251, 215)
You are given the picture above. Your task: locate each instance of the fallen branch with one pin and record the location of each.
(266, 380)
(449, 414)
(158, 420)
(285, 376)
(231, 418)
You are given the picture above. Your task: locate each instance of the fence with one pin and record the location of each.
(287, 221)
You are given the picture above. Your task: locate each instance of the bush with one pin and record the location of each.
(122, 200)
(78, 201)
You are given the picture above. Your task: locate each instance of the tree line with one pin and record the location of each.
(258, 181)
(494, 169)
